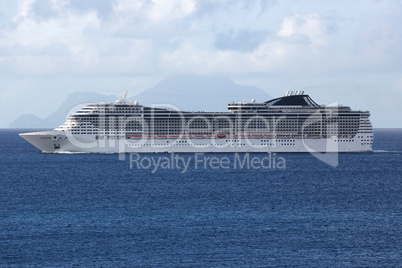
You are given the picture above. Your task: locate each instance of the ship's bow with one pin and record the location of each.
(43, 140)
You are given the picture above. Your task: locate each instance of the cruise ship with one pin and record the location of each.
(292, 123)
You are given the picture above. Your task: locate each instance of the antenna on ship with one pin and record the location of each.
(122, 97)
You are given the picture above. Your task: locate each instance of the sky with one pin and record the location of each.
(334, 50)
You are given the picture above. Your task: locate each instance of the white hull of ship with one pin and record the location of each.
(57, 142)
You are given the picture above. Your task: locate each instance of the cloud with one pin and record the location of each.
(126, 41)
(60, 40)
(36, 34)
(156, 10)
(113, 36)
(44, 9)
(36, 39)
(103, 8)
(232, 8)
(270, 56)
(308, 26)
(67, 27)
(243, 40)
(379, 43)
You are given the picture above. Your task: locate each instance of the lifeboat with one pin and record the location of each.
(244, 136)
(161, 136)
(221, 136)
(199, 136)
(269, 136)
(186, 136)
(136, 136)
(149, 136)
(256, 136)
(232, 136)
(174, 136)
(210, 136)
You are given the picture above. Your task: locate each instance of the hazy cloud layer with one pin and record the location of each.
(50, 48)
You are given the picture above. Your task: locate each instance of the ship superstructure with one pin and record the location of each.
(292, 123)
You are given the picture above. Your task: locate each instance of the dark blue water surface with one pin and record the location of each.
(93, 210)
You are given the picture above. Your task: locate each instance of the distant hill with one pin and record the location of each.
(199, 93)
(58, 117)
(27, 121)
(187, 92)
(74, 102)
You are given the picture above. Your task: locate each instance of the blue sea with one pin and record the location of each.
(64, 210)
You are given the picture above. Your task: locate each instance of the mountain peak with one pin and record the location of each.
(197, 92)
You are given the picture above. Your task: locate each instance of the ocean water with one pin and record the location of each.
(93, 210)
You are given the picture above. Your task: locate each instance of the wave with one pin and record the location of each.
(385, 151)
(68, 152)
